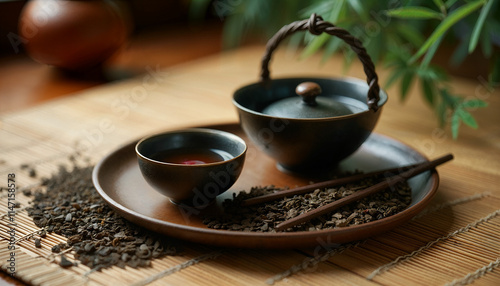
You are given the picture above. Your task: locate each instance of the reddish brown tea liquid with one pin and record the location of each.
(191, 156)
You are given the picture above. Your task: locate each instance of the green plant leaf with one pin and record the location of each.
(331, 47)
(443, 27)
(450, 3)
(455, 124)
(393, 77)
(313, 46)
(335, 9)
(429, 91)
(358, 6)
(414, 13)
(376, 47)
(467, 118)
(319, 7)
(255, 10)
(432, 72)
(449, 98)
(411, 34)
(430, 53)
(474, 103)
(295, 42)
(441, 113)
(232, 32)
(406, 83)
(479, 25)
(459, 54)
(440, 5)
(486, 46)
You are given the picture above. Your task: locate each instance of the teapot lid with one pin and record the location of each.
(308, 105)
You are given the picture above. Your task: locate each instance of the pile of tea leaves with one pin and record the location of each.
(68, 204)
(264, 217)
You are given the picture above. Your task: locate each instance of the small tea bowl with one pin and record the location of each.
(191, 166)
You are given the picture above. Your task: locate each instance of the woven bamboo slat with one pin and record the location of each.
(455, 241)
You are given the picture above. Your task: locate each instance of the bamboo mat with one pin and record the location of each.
(455, 241)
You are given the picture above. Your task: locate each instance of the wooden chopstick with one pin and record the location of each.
(361, 194)
(325, 184)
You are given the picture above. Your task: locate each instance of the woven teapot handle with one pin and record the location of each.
(316, 26)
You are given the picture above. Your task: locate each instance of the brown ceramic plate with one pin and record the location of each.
(118, 180)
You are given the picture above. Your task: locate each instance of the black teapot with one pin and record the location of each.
(306, 123)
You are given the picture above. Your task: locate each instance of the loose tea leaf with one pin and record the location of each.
(70, 206)
(65, 263)
(38, 243)
(264, 217)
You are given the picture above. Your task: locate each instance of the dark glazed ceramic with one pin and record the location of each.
(298, 139)
(117, 179)
(300, 144)
(194, 185)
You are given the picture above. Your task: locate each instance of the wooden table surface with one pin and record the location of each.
(458, 239)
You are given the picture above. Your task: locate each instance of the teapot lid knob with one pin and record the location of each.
(308, 91)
